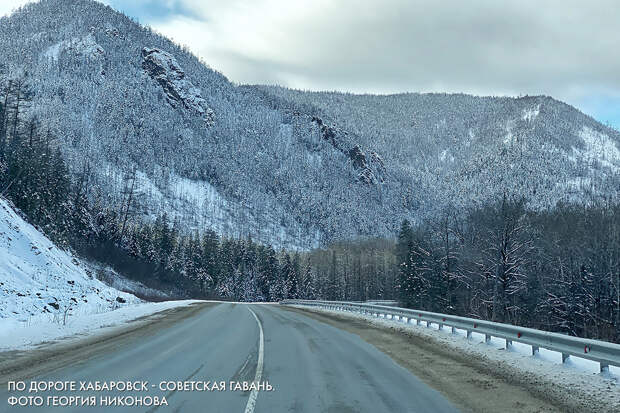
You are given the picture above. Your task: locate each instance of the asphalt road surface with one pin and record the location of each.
(312, 366)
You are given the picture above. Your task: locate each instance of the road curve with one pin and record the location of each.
(312, 366)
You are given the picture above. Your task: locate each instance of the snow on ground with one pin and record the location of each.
(445, 156)
(118, 282)
(577, 374)
(199, 206)
(46, 293)
(39, 280)
(16, 335)
(531, 113)
(85, 46)
(599, 147)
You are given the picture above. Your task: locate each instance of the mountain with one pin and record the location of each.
(147, 128)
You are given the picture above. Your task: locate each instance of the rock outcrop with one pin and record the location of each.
(371, 170)
(163, 68)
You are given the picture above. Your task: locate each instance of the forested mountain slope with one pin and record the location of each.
(148, 128)
(465, 148)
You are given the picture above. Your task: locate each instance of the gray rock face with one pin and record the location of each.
(163, 68)
(371, 171)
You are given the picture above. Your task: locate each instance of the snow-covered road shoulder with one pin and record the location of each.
(16, 335)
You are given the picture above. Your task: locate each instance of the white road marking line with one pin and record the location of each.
(249, 408)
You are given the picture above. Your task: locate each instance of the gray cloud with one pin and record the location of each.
(561, 48)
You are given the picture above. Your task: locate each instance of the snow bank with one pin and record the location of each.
(39, 281)
(46, 293)
(16, 335)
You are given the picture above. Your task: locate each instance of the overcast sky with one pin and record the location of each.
(563, 48)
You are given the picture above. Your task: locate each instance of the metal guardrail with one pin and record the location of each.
(606, 354)
(389, 303)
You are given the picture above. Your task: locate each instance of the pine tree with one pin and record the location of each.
(307, 290)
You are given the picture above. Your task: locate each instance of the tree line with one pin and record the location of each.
(556, 270)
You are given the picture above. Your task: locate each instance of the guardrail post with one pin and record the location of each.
(453, 330)
(428, 324)
(468, 334)
(535, 350)
(440, 326)
(487, 338)
(508, 343)
(565, 357)
(604, 368)
(419, 321)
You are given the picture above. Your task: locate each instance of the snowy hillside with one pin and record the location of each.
(39, 283)
(151, 129)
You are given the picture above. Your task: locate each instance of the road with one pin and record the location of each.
(312, 366)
